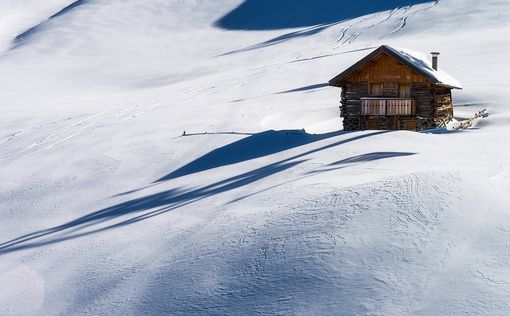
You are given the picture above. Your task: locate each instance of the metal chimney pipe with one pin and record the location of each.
(435, 60)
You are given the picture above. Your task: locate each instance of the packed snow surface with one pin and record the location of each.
(264, 206)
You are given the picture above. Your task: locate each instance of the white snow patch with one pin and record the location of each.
(421, 61)
(22, 289)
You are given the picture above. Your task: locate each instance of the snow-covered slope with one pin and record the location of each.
(17, 17)
(265, 206)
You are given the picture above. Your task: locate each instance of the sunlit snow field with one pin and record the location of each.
(265, 206)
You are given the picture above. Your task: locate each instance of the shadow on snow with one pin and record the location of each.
(152, 205)
(309, 88)
(281, 14)
(312, 15)
(334, 166)
(361, 159)
(281, 38)
(371, 157)
(254, 146)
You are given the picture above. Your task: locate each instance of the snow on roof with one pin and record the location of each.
(420, 60)
(415, 60)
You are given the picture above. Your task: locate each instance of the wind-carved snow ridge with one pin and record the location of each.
(22, 38)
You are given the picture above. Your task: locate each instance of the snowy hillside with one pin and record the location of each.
(266, 206)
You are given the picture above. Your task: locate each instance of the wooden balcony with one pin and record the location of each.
(388, 106)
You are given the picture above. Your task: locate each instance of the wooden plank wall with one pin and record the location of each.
(385, 69)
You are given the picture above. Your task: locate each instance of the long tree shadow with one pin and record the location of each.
(254, 146)
(281, 14)
(156, 204)
(371, 157)
(282, 38)
(334, 166)
(308, 88)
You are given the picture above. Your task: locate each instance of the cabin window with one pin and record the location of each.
(404, 90)
(376, 90)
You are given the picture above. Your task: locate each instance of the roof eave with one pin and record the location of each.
(448, 86)
(337, 80)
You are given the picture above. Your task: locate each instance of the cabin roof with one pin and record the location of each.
(417, 61)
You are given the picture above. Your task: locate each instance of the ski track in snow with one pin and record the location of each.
(357, 34)
(403, 22)
(111, 115)
(345, 39)
(71, 131)
(119, 114)
(319, 232)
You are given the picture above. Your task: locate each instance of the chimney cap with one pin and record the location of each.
(435, 53)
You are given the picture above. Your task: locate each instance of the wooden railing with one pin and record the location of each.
(387, 106)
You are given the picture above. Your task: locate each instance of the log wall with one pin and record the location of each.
(433, 103)
(422, 93)
(351, 98)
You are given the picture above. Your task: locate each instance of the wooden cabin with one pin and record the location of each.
(395, 89)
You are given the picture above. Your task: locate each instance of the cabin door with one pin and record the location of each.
(373, 124)
(410, 125)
